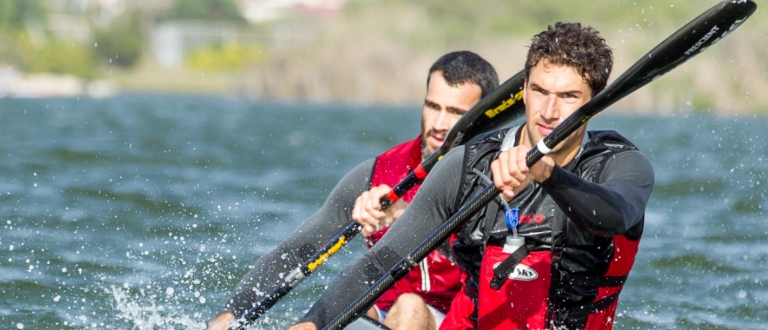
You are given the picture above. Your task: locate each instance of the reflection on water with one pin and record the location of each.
(144, 211)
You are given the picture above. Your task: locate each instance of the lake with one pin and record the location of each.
(143, 211)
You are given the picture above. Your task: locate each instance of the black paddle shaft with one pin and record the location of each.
(691, 39)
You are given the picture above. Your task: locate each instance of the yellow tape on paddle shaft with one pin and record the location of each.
(324, 257)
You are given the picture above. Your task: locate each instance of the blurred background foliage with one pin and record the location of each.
(60, 57)
(389, 41)
(14, 14)
(122, 42)
(225, 10)
(377, 51)
(218, 57)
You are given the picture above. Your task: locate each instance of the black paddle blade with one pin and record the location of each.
(499, 108)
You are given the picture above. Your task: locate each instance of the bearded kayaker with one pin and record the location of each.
(455, 83)
(555, 249)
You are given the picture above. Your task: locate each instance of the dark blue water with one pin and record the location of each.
(144, 211)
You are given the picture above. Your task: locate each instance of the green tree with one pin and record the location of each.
(225, 10)
(122, 42)
(15, 13)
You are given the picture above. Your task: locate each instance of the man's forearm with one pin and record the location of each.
(269, 270)
(608, 208)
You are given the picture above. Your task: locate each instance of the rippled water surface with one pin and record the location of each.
(144, 211)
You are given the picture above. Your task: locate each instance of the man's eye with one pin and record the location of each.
(570, 98)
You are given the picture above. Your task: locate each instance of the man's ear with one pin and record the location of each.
(525, 88)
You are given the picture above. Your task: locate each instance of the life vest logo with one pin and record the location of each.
(521, 273)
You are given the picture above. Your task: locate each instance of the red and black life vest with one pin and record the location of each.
(564, 277)
(436, 279)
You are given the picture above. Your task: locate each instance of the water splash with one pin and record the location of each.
(130, 308)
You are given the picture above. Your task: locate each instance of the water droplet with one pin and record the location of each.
(742, 294)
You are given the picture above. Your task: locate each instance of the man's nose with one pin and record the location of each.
(551, 110)
(441, 122)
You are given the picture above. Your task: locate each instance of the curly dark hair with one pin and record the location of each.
(466, 67)
(573, 45)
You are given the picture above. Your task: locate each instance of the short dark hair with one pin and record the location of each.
(462, 67)
(572, 45)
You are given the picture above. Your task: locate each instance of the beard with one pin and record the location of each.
(425, 134)
(424, 152)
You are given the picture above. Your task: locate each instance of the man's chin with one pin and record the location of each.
(434, 144)
(428, 148)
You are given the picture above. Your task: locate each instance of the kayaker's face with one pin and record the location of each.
(551, 94)
(443, 106)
